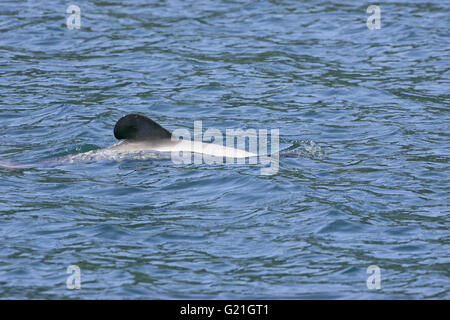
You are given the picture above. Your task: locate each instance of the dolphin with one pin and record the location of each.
(139, 133)
(142, 138)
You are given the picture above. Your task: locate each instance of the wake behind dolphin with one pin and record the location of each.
(141, 138)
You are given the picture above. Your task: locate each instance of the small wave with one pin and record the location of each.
(304, 148)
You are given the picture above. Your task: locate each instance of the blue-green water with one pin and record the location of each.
(376, 102)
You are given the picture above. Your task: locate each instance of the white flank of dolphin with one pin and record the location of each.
(182, 146)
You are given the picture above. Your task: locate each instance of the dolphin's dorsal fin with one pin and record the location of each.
(137, 127)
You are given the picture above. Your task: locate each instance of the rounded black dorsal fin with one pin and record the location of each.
(137, 127)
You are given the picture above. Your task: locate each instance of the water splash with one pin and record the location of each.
(304, 148)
